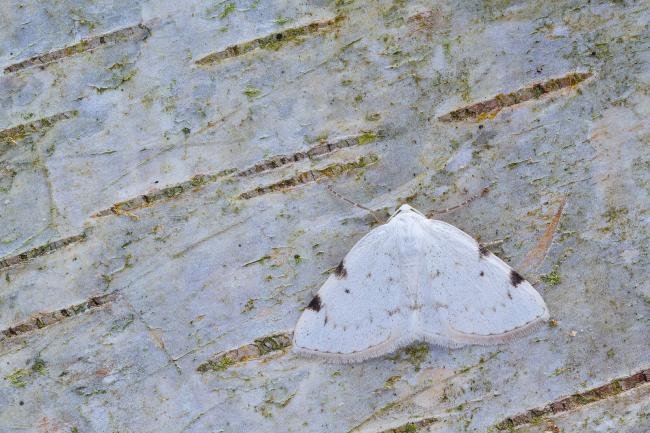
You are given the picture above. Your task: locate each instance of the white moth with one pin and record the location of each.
(415, 279)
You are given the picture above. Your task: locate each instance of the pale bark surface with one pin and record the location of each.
(135, 246)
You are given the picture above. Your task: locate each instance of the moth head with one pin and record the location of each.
(405, 210)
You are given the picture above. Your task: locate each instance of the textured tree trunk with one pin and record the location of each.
(164, 216)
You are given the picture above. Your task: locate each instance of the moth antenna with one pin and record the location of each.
(353, 203)
(483, 191)
(536, 256)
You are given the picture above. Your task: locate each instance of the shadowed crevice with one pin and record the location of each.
(577, 400)
(412, 427)
(137, 32)
(272, 42)
(144, 200)
(41, 320)
(41, 250)
(489, 108)
(271, 163)
(309, 176)
(322, 148)
(11, 136)
(260, 347)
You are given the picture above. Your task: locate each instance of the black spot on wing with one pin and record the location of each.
(483, 251)
(347, 290)
(315, 304)
(515, 278)
(482, 273)
(340, 271)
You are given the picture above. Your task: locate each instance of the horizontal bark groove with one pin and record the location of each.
(487, 109)
(577, 400)
(41, 250)
(10, 136)
(41, 320)
(272, 42)
(144, 200)
(309, 176)
(412, 427)
(137, 32)
(260, 347)
(271, 163)
(322, 148)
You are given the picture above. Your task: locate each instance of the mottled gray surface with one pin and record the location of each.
(145, 116)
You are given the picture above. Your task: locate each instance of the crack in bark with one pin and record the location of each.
(260, 347)
(41, 250)
(272, 42)
(577, 400)
(144, 200)
(321, 148)
(41, 320)
(10, 136)
(489, 108)
(137, 32)
(310, 176)
(412, 427)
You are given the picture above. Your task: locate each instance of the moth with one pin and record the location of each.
(416, 279)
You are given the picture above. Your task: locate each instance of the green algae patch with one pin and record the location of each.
(216, 365)
(17, 378)
(391, 381)
(367, 137)
(415, 354)
(39, 366)
(272, 343)
(251, 92)
(553, 278)
(228, 8)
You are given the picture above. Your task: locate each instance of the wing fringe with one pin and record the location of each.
(458, 339)
(444, 343)
(505, 337)
(389, 345)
